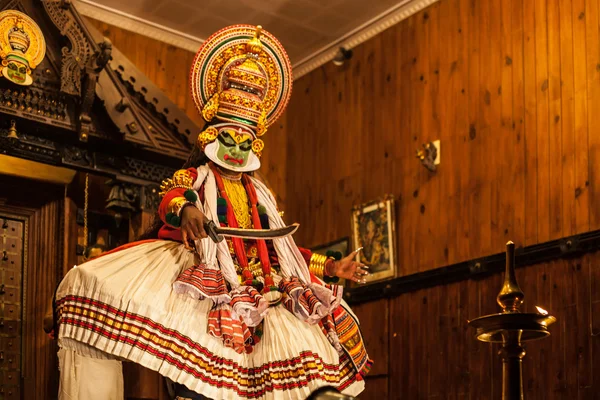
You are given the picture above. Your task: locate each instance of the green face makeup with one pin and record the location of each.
(232, 150)
(17, 72)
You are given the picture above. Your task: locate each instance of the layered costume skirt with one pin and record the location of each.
(122, 305)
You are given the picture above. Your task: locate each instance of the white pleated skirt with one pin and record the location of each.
(122, 305)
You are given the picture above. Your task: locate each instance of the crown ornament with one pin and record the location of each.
(22, 46)
(241, 75)
(181, 179)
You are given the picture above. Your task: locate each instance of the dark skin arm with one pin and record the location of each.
(192, 225)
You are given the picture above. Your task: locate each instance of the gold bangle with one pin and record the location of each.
(317, 264)
(176, 205)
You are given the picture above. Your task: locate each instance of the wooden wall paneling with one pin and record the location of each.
(399, 331)
(555, 278)
(405, 176)
(458, 235)
(453, 126)
(441, 299)
(438, 334)
(472, 152)
(424, 105)
(542, 84)
(565, 63)
(429, 204)
(568, 332)
(274, 165)
(517, 153)
(584, 354)
(445, 123)
(415, 354)
(459, 348)
(424, 339)
(593, 96)
(481, 216)
(581, 194)
(418, 83)
(377, 388)
(510, 156)
(568, 155)
(530, 89)
(69, 235)
(594, 309)
(555, 122)
(398, 369)
(436, 92)
(374, 324)
(496, 141)
(40, 367)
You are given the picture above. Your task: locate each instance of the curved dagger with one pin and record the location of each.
(216, 233)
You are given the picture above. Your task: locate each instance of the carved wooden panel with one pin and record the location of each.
(12, 271)
(39, 208)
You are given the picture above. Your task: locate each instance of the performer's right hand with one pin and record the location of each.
(192, 225)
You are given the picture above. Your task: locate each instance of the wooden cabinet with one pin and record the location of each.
(11, 305)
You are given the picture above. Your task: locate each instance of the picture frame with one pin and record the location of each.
(374, 229)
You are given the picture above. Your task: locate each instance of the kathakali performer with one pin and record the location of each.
(252, 316)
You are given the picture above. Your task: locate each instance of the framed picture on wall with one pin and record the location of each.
(373, 229)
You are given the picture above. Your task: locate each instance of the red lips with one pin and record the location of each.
(239, 161)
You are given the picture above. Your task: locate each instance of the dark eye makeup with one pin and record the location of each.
(226, 139)
(245, 146)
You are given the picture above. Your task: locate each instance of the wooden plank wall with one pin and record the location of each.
(424, 349)
(510, 87)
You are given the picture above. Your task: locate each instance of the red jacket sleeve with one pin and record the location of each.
(306, 253)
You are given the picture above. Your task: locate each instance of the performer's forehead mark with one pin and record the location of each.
(239, 136)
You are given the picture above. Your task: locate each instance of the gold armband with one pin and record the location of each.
(176, 205)
(317, 264)
(181, 179)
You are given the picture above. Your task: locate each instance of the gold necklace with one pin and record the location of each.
(239, 201)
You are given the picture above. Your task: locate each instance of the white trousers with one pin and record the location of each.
(85, 378)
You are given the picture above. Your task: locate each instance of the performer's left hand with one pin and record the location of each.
(350, 269)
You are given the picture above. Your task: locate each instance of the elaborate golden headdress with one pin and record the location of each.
(22, 46)
(241, 74)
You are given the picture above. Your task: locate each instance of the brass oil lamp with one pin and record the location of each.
(511, 328)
